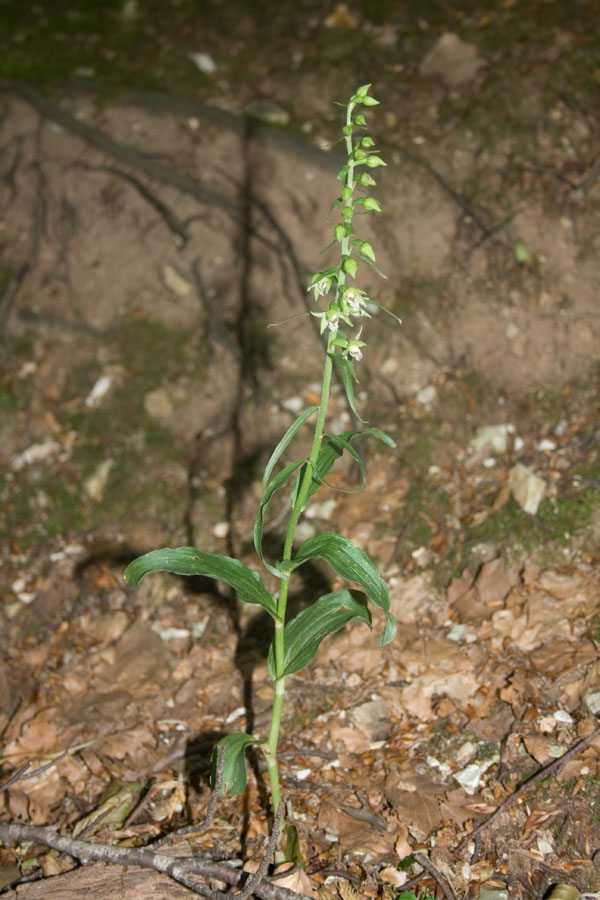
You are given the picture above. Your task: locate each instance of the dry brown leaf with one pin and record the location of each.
(402, 847)
(538, 746)
(493, 583)
(351, 739)
(298, 881)
(419, 806)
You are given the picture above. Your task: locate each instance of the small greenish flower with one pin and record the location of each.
(350, 347)
(321, 284)
(329, 319)
(354, 348)
(353, 302)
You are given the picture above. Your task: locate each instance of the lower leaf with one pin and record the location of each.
(233, 777)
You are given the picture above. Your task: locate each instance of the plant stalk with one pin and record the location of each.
(278, 643)
(298, 508)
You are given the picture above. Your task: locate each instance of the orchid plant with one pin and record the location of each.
(295, 642)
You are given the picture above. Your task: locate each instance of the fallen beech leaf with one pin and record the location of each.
(352, 739)
(298, 881)
(537, 746)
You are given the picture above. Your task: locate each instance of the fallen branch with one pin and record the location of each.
(180, 870)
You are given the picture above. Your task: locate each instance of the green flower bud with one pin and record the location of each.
(350, 266)
(347, 212)
(371, 204)
(347, 130)
(346, 194)
(359, 119)
(366, 180)
(367, 142)
(367, 250)
(374, 161)
(339, 232)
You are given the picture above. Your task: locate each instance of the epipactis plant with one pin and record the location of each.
(295, 642)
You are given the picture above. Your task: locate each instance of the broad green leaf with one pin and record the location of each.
(285, 440)
(348, 374)
(332, 448)
(274, 485)
(234, 771)
(189, 561)
(303, 635)
(352, 563)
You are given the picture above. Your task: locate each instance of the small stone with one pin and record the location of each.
(95, 485)
(592, 702)
(491, 437)
(158, 404)
(34, 454)
(454, 60)
(99, 391)
(527, 488)
(427, 396)
(492, 893)
(561, 715)
(294, 404)
(375, 715)
(175, 281)
(204, 62)
(267, 111)
(469, 777)
(221, 529)
(457, 633)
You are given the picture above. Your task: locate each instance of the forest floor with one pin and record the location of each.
(153, 223)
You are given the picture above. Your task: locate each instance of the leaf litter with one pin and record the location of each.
(489, 677)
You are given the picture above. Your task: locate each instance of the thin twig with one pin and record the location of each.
(443, 882)
(210, 811)
(548, 769)
(254, 880)
(22, 774)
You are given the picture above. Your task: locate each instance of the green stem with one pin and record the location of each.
(278, 643)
